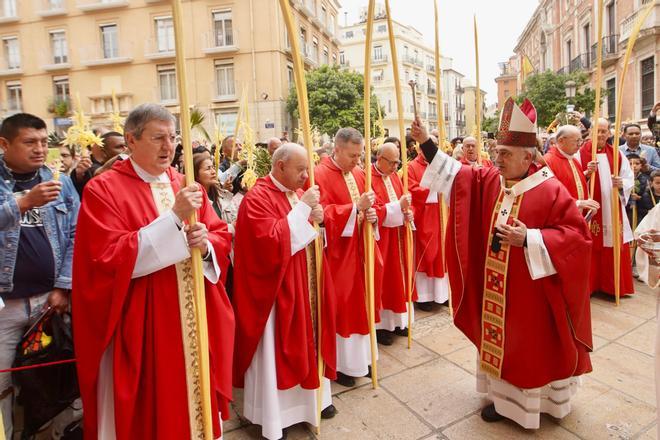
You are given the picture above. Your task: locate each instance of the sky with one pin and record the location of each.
(500, 23)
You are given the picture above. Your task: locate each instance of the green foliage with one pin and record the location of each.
(59, 107)
(54, 140)
(491, 125)
(197, 118)
(261, 162)
(547, 91)
(336, 100)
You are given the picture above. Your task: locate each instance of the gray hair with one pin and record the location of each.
(285, 152)
(348, 134)
(142, 115)
(565, 130)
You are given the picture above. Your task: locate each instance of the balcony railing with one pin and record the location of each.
(430, 68)
(652, 21)
(459, 89)
(580, 62)
(431, 90)
(460, 107)
(409, 59)
(610, 49)
(156, 49)
(49, 8)
(562, 71)
(379, 60)
(217, 43)
(99, 5)
(97, 56)
(50, 63)
(460, 123)
(223, 92)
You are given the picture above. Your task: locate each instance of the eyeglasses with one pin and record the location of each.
(160, 139)
(391, 162)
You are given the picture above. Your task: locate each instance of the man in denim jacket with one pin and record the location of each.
(37, 225)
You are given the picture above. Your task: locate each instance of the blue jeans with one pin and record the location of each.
(14, 318)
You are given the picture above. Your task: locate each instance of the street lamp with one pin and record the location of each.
(570, 88)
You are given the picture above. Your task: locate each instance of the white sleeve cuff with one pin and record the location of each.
(393, 215)
(302, 232)
(537, 257)
(439, 175)
(350, 224)
(211, 268)
(432, 198)
(160, 244)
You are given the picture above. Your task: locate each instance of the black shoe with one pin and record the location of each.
(401, 331)
(384, 337)
(489, 415)
(446, 303)
(329, 412)
(345, 380)
(368, 372)
(425, 306)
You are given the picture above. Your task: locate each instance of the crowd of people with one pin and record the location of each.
(513, 238)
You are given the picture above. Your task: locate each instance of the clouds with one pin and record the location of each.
(500, 24)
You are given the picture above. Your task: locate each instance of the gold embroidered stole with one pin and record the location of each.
(353, 190)
(493, 314)
(391, 195)
(576, 177)
(164, 198)
(311, 269)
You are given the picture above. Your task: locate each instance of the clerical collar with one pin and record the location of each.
(278, 184)
(142, 174)
(337, 165)
(379, 171)
(566, 155)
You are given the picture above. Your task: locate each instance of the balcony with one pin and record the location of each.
(7, 14)
(562, 71)
(6, 69)
(460, 107)
(379, 60)
(459, 89)
(430, 68)
(345, 64)
(460, 123)
(49, 63)
(610, 51)
(378, 79)
(650, 26)
(308, 54)
(216, 43)
(223, 92)
(158, 50)
(306, 9)
(580, 62)
(100, 5)
(49, 8)
(431, 91)
(93, 56)
(408, 59)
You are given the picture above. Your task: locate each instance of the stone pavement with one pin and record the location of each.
(428, 392)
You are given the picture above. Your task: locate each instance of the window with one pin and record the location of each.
(227, 118)
(224, 79)
(289, 76)
(648, 85)
(167, 83)
(331, 25)
(61, 88)
(10, 8)
(381, 28)
(334, 58)
(378, 75)
(349, 34)
(378, 53)
(324, 15)
(569, 52)
(586, 36)
(164, 34)
(315, 49)
(110, 41)
(610, 85)
(59, 47)
(14, 96)
(342, 58)
(407, 75)
(222, 26)
(326, 55)
(12, 53)
(303, 40)
(610, 25)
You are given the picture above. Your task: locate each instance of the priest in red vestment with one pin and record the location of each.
(274, 260)
(346, 204)
(470, 154)
(431, 283)
(389, 191)
(131, 284)
(567, 169)
(602, 257)
(517, 254)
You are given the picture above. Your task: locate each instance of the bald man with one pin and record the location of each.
(273, 144)
(397, 212)
(274, 285)
(602, 256)
(470, 154)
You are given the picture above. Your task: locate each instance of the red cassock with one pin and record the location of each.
(392, 249)
(345, 255)
(428, 224)
(572, 177)
(141, 315)
(602, 258)
(547, 321)
(484, 162)
(266, 274)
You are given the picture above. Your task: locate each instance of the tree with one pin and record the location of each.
(491, 124)
(547, 91)
(336, 100)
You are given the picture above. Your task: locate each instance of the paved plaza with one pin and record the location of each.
(428, 392)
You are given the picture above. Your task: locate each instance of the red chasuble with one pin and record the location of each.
(602, 258)
(266, 274)
(569, 172)
(547, 322)
(345, 255)
(392, 248)
(141, 315)
(486, 163)
(428, 223)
